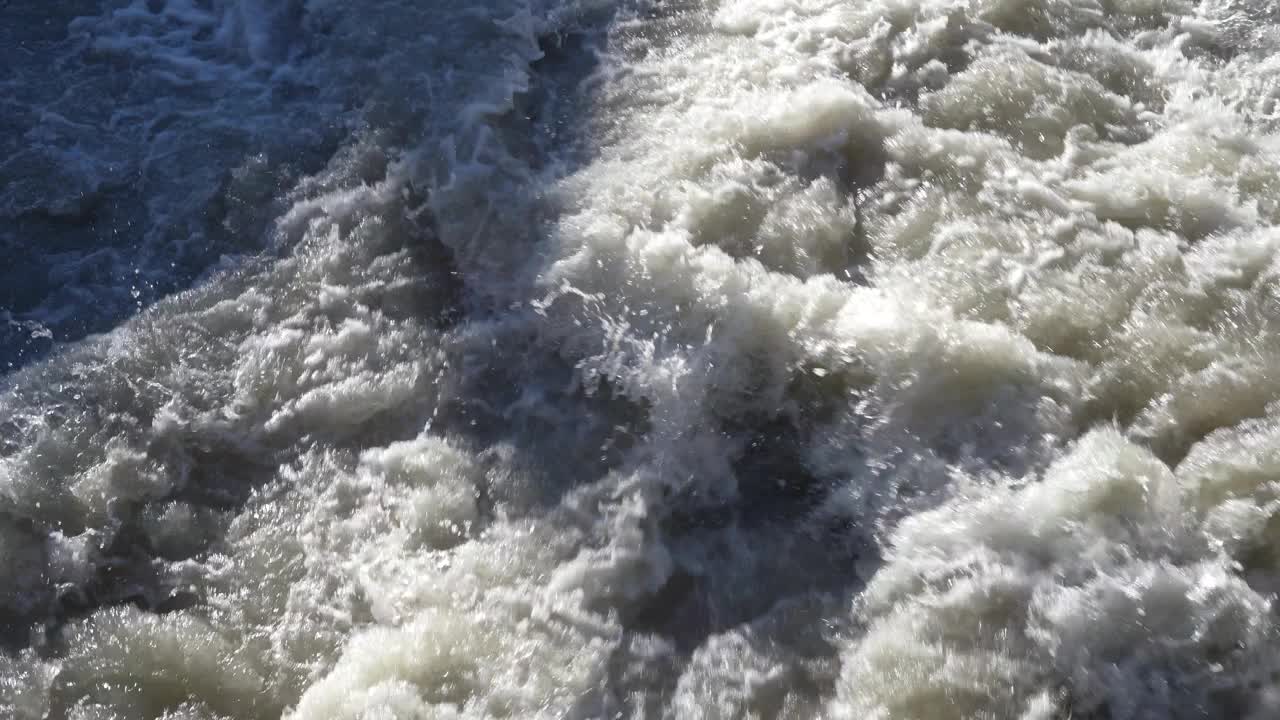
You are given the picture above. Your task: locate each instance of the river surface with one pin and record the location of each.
(850, 359)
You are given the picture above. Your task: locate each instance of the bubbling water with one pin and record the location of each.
(762, 358)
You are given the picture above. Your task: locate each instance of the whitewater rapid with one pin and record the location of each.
(866, 359)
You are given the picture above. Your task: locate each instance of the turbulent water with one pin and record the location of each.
(864, 359)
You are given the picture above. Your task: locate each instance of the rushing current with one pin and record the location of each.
(707, 359)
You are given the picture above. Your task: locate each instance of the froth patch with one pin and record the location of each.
(1029, 102)
(140, 664)
(1089, 591)
(438, 487)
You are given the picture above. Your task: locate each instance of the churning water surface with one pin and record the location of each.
(863, 359)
